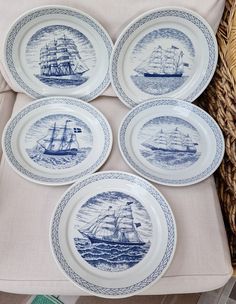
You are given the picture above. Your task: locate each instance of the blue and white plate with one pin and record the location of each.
(113, 234)
(57, 140)
(58, 50)
(166, 52)
(171, 142)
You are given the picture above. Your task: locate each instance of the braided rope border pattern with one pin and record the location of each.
(54, 11)
(206, 117)
(166, 13)
(100, 289)
(65, 101)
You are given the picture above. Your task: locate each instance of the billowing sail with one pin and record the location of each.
(59, 141)
(159, 141)
(170, 141)
(113, 227)
(61, 57)
(162, 63)
(188, 143)
(176, 140)
(125, 226)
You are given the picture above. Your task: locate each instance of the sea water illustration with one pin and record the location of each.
(162, 61)
(169, 142)
(112, 231)
(60, 56)
(58, 141)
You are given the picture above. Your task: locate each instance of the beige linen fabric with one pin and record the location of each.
(202, 260)
(7, 99)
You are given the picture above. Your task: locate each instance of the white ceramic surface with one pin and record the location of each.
(113, 234)
(58, 50)
(57, 140)
(167, 52)
(171, 142)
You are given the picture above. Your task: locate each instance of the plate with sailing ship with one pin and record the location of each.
(113, 234)
(171, 142)
(166, 52)
(58, 50)
(57, 140)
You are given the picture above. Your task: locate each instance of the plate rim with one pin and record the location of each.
(159, 194)
(126, 100)
(17, 117)
(15, 77)
(165, 181)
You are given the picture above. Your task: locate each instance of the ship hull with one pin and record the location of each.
(63, 77)
(61, 152)
(95, 240)
(162, 75)
(168, 150)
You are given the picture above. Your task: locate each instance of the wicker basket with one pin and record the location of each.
(220, 101)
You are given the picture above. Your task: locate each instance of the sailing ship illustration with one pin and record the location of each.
(60, 141)
(174, 141)
(163, 63)
(114, 227)
(60, 60)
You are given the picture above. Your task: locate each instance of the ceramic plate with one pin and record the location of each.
(57, 50)
(56, 140)
(113, 234)
(166, 52)
(171, 142)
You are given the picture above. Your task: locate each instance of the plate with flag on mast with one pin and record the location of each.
(166, 52)
(58, 50)
(57, 140)
(113, 234)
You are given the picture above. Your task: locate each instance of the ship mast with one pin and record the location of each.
(64, 136)
(52, 137)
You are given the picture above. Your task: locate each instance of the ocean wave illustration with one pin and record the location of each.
(58, 162)
(111, 257)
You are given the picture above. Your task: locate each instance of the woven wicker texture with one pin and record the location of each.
(220, 101)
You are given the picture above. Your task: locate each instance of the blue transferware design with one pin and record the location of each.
(58, 141)
(220, 146)
(119, 291)
(169, 142)
(163, 61)
(152, 16)
(60, 56)
(113, 231)
(56, 102)
(51, 11)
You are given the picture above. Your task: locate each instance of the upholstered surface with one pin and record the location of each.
(201, 261)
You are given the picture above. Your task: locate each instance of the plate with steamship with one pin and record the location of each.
(57, 140)
(58, 50)
(166, 52)
(113, 234)
(171, 142)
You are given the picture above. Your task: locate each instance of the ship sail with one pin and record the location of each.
(152, 64)
(188, 143)
(159, 141)
(173, 141)
(176, 140)
(59, 141)
(113, 227)
(125, 226)
(180, 63)
(163, 63)
(61, 57)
